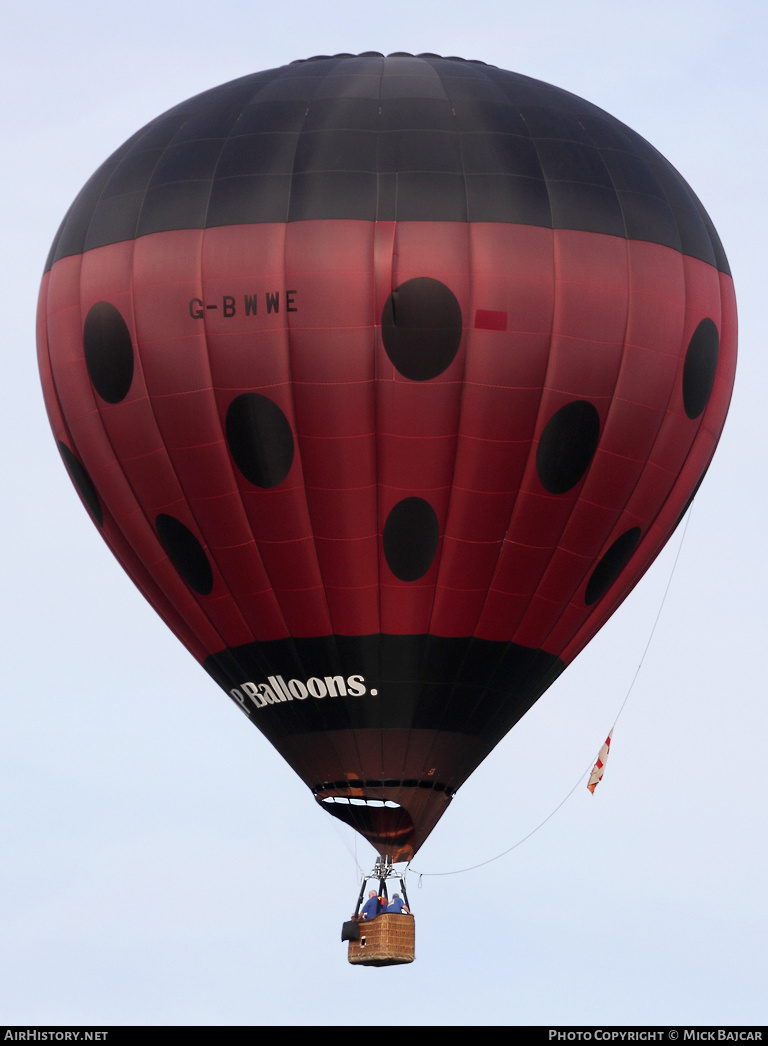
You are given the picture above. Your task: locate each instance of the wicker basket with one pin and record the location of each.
(386, 940)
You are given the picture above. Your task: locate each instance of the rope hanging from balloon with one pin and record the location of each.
(564, 800)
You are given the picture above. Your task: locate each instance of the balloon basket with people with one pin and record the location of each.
(382, 931)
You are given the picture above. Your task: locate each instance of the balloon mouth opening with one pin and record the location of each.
(386, 825)
(357, 801)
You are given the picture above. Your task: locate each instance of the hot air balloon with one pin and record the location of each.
(386, 379)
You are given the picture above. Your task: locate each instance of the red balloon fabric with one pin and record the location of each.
(386, 379)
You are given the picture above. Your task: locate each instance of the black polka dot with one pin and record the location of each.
(260, 439)
(186, 553)
(699, 368)
(108, 352)
(567, 446)
(411, 536)
(611, 565)
(421, 328)
(83, 482)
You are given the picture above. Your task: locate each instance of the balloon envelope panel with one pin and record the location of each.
(386, 379)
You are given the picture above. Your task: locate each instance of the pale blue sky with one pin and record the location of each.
(133, 796)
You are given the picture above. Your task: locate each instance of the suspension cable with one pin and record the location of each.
(551, 814)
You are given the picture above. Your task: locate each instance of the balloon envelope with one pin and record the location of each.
(386, 379)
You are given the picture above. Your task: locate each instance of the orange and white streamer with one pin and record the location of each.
(599, 768)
